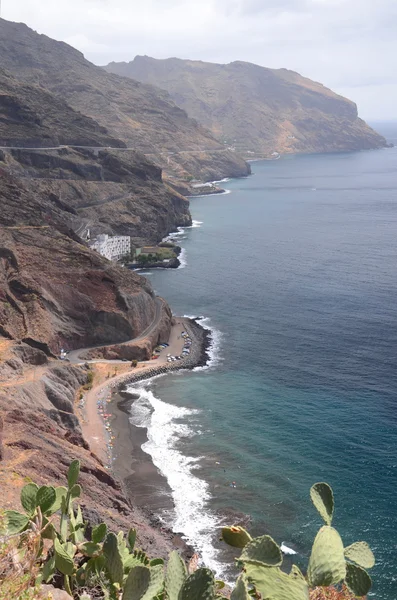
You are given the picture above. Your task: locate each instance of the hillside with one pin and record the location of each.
(141, 116)
(257, 110)
(112, 191)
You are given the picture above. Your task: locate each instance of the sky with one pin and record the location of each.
(348, 45)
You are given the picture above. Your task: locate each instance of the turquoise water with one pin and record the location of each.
(296, 271)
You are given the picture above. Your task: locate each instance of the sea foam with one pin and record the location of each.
(190, 494)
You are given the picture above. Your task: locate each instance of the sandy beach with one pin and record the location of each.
(109, 377)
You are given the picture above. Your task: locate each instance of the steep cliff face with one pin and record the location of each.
(31, 116)
(54, 291)
(112, 191)
(257, 110)
(142, 116)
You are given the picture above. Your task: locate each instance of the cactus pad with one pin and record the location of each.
(16, 521)
(240, 592)
(361, 554)
(73, 473)
(357, 580)
(45, 498)
(114, 564)
(262, 551)
(63, 562)
(200, 585)
(28, 497)
(131, 538)
(175, 576)
(323, 499)
(99, 532)
(60, 496)
(272, 583)
(143, 583)
(327, 565)
(236, 536)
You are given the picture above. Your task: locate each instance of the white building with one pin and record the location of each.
(112, 247)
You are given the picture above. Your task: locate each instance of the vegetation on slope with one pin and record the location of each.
(50, 543)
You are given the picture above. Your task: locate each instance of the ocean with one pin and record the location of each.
(294, 269)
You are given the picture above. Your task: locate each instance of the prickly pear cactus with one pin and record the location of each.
(262, 551)
(28, 497)
(361, 554)
(357, 580)
(143, 583)
(175, 576)
(236, 536)
(200, 585)
(272, 583)
(327, 565)
(63, 561)
(114, 564)
(323, 499)
(240, 592)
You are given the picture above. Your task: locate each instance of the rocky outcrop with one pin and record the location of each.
(255, 110)
(55, 291)
(143, 117)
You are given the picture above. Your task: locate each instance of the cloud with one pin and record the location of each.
(346, 44)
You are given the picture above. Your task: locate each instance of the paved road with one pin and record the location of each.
(97, 148)
(74, 355)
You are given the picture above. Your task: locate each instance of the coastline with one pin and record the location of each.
(99, 402)
(118, 443)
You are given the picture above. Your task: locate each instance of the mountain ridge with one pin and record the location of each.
(141, 116)
(256, 110)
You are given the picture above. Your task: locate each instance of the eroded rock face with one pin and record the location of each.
(143, 117)
(257, 110)
(56, 292)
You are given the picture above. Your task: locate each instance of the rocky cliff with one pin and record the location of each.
(113, 191)
(256, 110)
(142, 116)
(54, 291)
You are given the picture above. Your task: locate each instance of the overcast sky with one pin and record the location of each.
(348, 45)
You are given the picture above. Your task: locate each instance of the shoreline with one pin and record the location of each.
(118, 443)
(95, 404)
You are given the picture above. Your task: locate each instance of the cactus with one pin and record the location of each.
(357, 580)
(98, 533)
(28, 497)
(361, 554)
(63, 561)
(60, 495)
(262, 551)
(114, 564)
(73, 473)
(143, 583)
(323, 499)
(16, 522)
(327, 565)
(296, 573)
(175, 576)
(236, 536)
(131, 538)
(45, 498)
(240, 592)
(272, 583)
(200, 585)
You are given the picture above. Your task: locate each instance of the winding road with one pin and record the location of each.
(74, 355)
